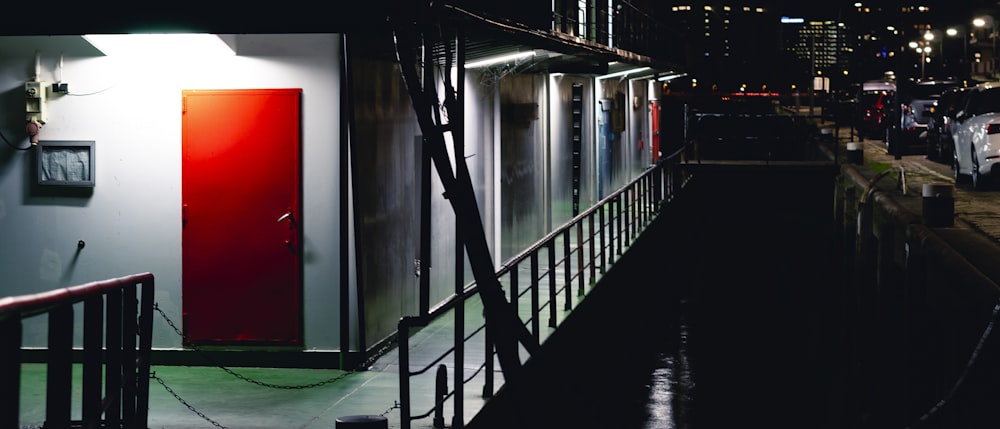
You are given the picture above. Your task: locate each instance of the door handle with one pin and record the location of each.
(289, 216)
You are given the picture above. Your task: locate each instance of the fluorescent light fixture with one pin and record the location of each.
(670, 77)
(789, 20)
(500, 59)
(161, 45)
(624, 73)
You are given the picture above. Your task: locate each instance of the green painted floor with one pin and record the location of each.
(194, 397)
(208, 397)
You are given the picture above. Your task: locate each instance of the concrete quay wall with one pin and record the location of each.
(921, 300)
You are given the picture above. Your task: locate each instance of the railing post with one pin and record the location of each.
(145, 351)
(59, 380)
(604, 229)
(128, 333)
(590, 243)
(619, 210)
(10, 371)
(612, 229)
(657, 182)
(579, 257)
(647, 201)
(403, 338)
(513, 287)
(552, 283)
(642, 202)
(535, 313)
(113, 359)
(93, 340)
(567, 273)
(633, 210)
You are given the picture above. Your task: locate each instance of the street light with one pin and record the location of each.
(924, 49)
(930, 36)
(953, 32)
(989, 22)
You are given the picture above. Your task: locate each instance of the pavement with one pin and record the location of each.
(976, 210)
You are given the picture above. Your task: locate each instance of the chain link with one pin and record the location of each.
(364, 365)
(395, 404)
(185, 403)
(367, 363)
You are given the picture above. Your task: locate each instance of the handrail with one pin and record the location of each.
(621, 216)
(117, 341)
(611, 225)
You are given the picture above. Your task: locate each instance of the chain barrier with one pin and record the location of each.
(185, 403)
(366, 364)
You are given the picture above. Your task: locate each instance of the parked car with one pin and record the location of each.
(916, 100)
(976, 132)
(874, 107)
(940, 144)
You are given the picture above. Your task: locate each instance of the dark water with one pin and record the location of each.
(724, 314)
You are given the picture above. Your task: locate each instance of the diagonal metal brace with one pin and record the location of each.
(501, 318)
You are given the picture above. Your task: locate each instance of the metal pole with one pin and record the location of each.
(812, 74)
(923, 61)
(965, 49)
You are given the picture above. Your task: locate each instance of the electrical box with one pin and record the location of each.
(34, 101)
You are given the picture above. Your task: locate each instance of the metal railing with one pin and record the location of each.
(558, 268)
(626, 25)
(117, 340)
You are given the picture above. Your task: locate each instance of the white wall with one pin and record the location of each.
(131, 223)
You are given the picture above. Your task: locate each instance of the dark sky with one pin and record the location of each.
(951, 10)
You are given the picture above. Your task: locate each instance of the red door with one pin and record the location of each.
(654, 109)
(241, 251)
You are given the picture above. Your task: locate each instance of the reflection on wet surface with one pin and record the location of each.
(671, 388)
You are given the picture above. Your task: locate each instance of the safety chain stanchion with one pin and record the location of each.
(368, 362)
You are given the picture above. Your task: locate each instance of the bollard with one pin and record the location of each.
(362, 422)
(440, 391)
(939, 204)
(855, 153)
(826, 136)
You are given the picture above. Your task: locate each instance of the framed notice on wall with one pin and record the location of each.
(65, 163)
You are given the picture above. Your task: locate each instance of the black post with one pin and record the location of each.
(440, 391)
(10, 371)
(59, 381)
(93, 324)
(113, 358)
